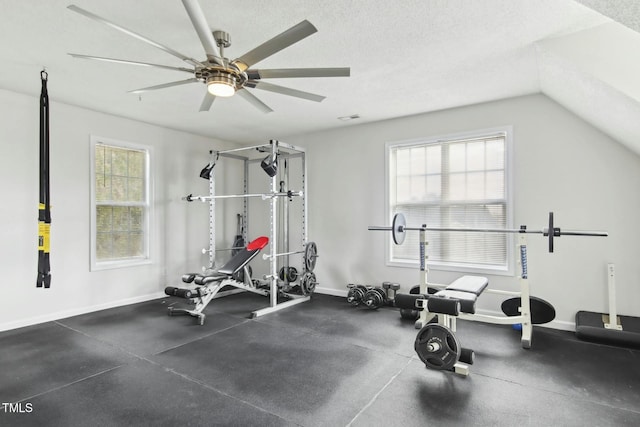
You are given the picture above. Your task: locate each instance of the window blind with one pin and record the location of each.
(458, 183)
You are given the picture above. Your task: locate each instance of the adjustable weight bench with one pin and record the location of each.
(207, 286)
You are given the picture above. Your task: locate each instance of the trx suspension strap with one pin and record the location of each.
(44, 208)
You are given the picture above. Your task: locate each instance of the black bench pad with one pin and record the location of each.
(467, 299)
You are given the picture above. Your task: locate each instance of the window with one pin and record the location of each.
(454, 182)
(120, 204)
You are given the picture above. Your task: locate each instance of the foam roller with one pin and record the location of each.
(448, 306)
(408, 301)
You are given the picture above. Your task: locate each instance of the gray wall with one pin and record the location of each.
(180, 229)
(562, 164)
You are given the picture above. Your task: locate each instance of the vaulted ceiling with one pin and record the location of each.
(406, 57)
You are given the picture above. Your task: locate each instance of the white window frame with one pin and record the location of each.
(95, 264)
(508, 269)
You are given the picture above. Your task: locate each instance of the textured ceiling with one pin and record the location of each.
(626, 12)
(406, 57)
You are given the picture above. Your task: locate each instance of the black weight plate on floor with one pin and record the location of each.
(448, 352)
(541, 310)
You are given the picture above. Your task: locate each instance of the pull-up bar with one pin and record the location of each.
(264, 196)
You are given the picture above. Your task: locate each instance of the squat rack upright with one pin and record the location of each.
(276, 150)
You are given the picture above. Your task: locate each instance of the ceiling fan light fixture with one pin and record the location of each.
(221, 85)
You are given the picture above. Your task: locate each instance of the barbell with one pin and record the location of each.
(399, 228)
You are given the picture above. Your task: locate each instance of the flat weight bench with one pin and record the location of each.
(465, 289)
(210, 284)
(436, 344)
(459, 296)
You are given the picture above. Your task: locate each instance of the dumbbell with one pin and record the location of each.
(388, 286)
(355, 294)
(374, 298)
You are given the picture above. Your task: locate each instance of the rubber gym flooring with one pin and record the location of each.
(321, 363)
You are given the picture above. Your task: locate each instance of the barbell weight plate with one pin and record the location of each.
(437, 347)
(369, 299)
(355, 294)
(541, 310)
(352, 297)
(293, 274)
(551, 232)
(398, 228)
(308, 283)
(310, 256)
(374, 298)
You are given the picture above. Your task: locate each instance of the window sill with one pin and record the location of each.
(111, 265)
(456, 268)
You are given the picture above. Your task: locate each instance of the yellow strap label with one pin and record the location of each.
(41, 206)
(41, 236)
(44, 235)
(47, 235)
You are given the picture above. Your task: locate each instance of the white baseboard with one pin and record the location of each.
(77, 311)
(331, 291)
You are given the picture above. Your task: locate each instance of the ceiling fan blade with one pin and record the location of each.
(276, 44)
(285, 90)
(207, 101)
(252, 99)
(282, 73)
(133, 34)
(124, 61)
(164, 85)
(204, 31)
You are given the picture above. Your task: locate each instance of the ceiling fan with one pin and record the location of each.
(223, 77)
